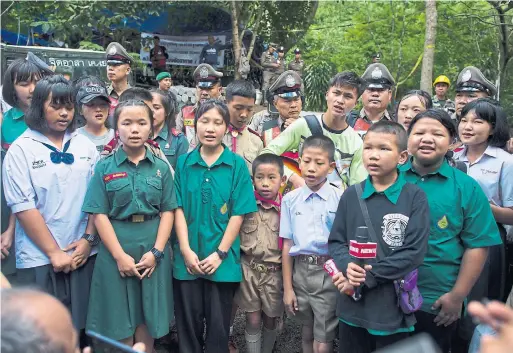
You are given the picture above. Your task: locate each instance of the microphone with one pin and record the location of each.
(361, 249)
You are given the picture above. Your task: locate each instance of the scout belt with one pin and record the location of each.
(313, 259)
(139, 218)
(262, 268)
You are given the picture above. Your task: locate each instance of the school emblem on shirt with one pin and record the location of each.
(166, 146)
(159, 174)
(394, 229)
(109, 177)
(38, 164)
(443, 222)
(224, 209)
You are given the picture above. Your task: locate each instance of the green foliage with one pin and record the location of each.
(316, 79)
(90, 46)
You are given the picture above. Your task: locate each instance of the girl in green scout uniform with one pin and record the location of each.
(19, 82)
(172, 142)
(214, 192)
(132, 198)
(462, 226)
(411, 104)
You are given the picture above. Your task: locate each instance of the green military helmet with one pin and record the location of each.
(117, 55)
(471, 79)
(206, 76)
(377, 76)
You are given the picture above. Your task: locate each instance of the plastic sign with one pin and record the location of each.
(363, 250)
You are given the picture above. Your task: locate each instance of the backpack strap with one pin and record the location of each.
(368, 223)
(314, 125)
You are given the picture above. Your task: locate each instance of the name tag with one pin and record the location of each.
(109, 177)
(188, 122)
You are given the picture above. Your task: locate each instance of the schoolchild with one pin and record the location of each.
(214, 192)
(80, 82)
(462, 227)
(399, 215)
(307, 216)
(93, 105)
(20, 78)
(131, 196)
(45, 174)
(411, 104)
(172, 142)
(260, 294)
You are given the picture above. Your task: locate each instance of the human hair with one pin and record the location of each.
(61, 91)
(156, 37)
(349, 79)
(241, 88)
(20, 70)
(392, 128)
(490, 111)
(131, 103)
(170, 104)
(135, 93)
(439, 115)
(322, 142)
(423, 96)
(20, 331)
(216, 104)
(268, 158)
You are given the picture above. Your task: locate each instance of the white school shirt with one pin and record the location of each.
(494, 173)
(57, 191)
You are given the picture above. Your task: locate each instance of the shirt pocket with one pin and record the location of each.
(248, 233)
(153, 190)
(120, 192)
(330, 218)
(273, 235)
(170, 151)
(220, 207)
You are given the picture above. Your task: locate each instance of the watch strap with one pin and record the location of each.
(157, 253)
(92, 239)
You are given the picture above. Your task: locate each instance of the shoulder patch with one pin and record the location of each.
(153, 143)
(113, 176)
(111, 145)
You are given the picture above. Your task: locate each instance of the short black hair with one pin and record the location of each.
(156, 37)
(216, 104)
(423, 96)
(349, 79)
(392, 128)
(170, 104)
(490, 111)
(322, 142)
(268, 158)
(131, 103)
(18, 71)
(135, 93)
(61, 91)
(439, 115)
(241, 88)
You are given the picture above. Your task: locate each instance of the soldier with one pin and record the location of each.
(208, 85)
(297, 64)
(164, 81)
(286, 104)
(118, 69)
(269, 63)
(378, 84)
(440, 99)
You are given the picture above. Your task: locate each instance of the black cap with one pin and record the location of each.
(297, 51)
(281, 49)
(88, 93)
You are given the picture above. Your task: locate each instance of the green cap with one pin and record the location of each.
(163, 75)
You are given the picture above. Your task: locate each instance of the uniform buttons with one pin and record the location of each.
(206, 180)
(422, 179)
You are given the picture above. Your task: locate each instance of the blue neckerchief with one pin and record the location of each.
(58, 157)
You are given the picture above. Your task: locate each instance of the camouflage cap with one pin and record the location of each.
(471, 79)
(377, 76)
(206, 76)
(287, 85)
(117, 55)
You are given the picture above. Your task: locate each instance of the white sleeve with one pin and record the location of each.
(506, 184)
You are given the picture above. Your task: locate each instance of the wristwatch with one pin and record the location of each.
(92, 239)
(222, 254)
(158, 254)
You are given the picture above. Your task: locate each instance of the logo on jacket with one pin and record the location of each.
(443, 222)
(394, 229)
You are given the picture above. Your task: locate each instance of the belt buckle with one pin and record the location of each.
(312, 260)
(137, 218)
(261, 268)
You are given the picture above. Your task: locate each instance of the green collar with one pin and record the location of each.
(445, 169)
(392, 192)
(164, 133)
(15, 113)
(120, 156)
(195, 158)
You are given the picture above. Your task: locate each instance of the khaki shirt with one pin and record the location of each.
(247, 145)
(297, 66)
(259, 119)
(280, 69)
(259, 235)
(267, 60)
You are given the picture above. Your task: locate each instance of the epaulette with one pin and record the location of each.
(153, 143)
(255, 133)
(175, 132)
(111, 145)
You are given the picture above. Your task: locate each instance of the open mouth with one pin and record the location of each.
(466, 135)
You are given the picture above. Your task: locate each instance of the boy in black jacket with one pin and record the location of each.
(399, 214)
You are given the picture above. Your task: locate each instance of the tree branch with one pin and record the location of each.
(7, 9)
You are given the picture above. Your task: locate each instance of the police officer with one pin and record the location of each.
(297, 64)
(270, 64)
(118, 69)
(208, 85)
(440, 99)
(281, 64)
(377, 95)
(376, 58)
(285, 94)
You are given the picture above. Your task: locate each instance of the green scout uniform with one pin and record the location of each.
(172, 146)
(120, 189)
(461, 218)
(209, 196)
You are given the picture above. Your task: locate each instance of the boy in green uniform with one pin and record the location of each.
(214, 192)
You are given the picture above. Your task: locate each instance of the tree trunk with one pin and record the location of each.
(255, 30)
(429, 47)
(235, 36)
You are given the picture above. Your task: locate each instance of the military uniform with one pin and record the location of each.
(376, 76)
(297, 66)
(245, 142)
(281, 68)
(116, 55)
(267, 61)
(133, 198)
(447, 104)
(205, 76)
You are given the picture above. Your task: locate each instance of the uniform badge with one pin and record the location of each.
(203, 72)
(159, 174)
(166, 146)
(289, 81)
(443, 223)
(467, 75)
(110, 177)
(235, 133)
(112, 50)
(224, 209)
(377, 73)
